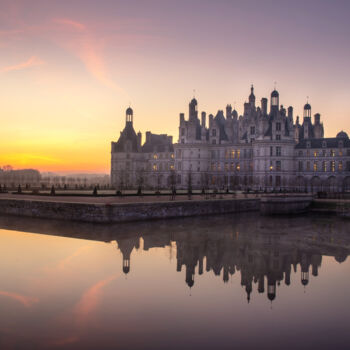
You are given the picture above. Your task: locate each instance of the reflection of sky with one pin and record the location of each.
(68, 70)
(58, 291)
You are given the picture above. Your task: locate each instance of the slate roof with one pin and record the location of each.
(127, 134)
(331, 142)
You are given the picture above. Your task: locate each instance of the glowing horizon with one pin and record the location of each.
(69, 71)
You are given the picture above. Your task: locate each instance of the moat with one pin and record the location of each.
(229, 281)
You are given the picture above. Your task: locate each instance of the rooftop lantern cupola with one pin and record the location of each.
(193, 109)
(307, 110)
(274, 100)
(129, 115)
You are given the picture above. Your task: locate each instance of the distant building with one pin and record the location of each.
(260, 149)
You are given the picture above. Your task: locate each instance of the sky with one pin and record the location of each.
(69, 69)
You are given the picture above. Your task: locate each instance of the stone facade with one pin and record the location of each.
(261, 150)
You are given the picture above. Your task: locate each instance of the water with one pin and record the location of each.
(224, 282)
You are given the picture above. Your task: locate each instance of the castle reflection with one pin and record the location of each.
(264, 251)
(263, 256)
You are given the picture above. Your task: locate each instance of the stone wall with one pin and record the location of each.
(108, 213)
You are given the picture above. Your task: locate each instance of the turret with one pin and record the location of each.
(182, 117)
(290, 113)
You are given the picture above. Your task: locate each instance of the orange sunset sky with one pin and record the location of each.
(69, 69)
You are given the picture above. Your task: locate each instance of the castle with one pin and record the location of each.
(259, 150)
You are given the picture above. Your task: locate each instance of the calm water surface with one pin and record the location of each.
(224, 282)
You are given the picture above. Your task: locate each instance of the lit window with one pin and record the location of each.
(233, 154)
(172, 155)
(315, 154)
(315, 166)
(155, 167)
(238, 167)
(171, 166)
(333, 166)
(332, 153)
(340, 166)
(155, 156)
(238, 153)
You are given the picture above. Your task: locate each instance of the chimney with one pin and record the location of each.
(264, 106)
(139, 139)
(203, 119)
(317, 118)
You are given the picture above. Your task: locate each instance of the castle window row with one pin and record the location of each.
(323, 166)
(323, 153)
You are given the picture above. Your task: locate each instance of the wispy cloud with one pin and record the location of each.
(87, 47)
(31, 62)
(90, 299)
(70, 23)
(23, 299)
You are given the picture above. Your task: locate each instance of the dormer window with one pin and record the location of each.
(278, 126)
(324, 144)
(340, 144)
(308, 144)
(213, 132)
(252, 130)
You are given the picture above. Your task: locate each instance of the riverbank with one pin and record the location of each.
(106, 211)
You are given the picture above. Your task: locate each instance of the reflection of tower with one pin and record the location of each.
(126, 246)
(304, 270)
(271, 287)
(316, 260)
